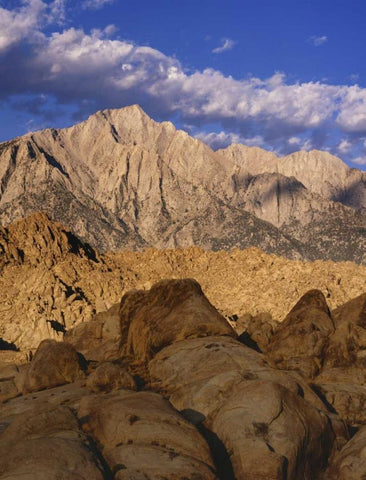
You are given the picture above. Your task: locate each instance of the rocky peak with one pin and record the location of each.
(121, 179)
(37, 239)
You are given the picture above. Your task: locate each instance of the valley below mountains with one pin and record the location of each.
(122, 180)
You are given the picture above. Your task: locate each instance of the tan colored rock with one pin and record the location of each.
(43, 301)
(255, 329)
(8, 390)
(344, 358)
(347, 399)
(100, 338)
(350, 462)
(300, 341)
(40, 445)
(227, 388)
(171, 311)
(272, 433)
(55, 363)
(202, 373)
(348, 342)
(109, 376)
(141, 432)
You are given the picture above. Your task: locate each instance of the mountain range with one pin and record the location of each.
(121, 180)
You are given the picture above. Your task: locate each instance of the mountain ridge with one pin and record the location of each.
(121, 180)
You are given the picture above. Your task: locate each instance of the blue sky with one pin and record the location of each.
(284, 75)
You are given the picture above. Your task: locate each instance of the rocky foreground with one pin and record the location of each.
(162, 387)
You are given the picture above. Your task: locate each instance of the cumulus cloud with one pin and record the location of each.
(318, 40)
(344, 146)
(352, 114)
(20, 23)
(222, 139)
(226, 44)
(93, 70)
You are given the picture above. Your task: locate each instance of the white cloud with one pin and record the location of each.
(96, 4)
(359, 160)
(110, 30)
(94, 71)
(222, 139)
(344, 146)
(352, 111)
(318, 40)
(20, 23)
(226, 44)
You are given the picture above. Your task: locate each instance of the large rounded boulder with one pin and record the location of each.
(171, 311)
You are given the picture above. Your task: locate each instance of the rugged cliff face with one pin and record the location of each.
(120, 179)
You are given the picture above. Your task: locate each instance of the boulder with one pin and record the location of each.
(269, 421)
(142, 436)
(98, 340)
(171, 311)
(343, 376)
(54, 363)
(257, 329)
(45, 444)
(300, 341)
(347, 345)
(272, 433)
(109, 376)
(350, 462)
(202, 373)
(348, 400)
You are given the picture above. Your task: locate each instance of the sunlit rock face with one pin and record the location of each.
(120, 179)
(181, 395)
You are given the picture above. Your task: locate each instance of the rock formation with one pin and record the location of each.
(186, 398)
(52, 282)
(120, 179)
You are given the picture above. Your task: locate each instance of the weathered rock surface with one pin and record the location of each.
(40, 445)
(207, 406)
(347, 345)
(55, 363)
(255, 331)
(119, 179)
(237, 396)
(140, 433)
(100, 338)
(272, 433)
(350, 462)
(171, 311)
(300, 341)
(109, 376)
(347, 399)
